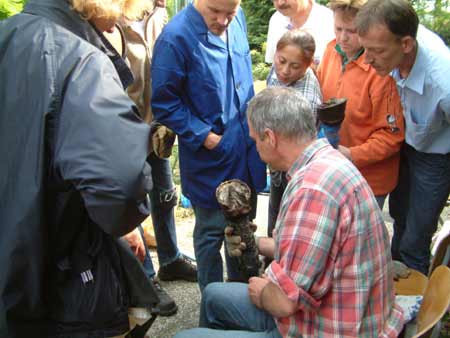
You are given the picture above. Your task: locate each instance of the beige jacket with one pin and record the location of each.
(138, 52)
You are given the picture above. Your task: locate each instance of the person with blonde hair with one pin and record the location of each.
(139, 38)
(74, 178)
(373, 131)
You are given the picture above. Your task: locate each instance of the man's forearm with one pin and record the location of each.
(266, 246)
(274, 301)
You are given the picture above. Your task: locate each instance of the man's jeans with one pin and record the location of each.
(208, 238)
(226, 311)
(416, 203)
(163, 199)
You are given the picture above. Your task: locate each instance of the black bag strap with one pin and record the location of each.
(139, 331)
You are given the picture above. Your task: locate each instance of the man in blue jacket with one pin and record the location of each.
(202, 81)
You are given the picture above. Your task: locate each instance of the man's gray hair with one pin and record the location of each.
(285, 111)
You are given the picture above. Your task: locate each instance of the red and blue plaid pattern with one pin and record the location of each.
(332, 252)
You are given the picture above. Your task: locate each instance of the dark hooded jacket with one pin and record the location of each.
(73, 178)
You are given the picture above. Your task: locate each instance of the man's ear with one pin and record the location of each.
(408, 44)
(271, 137)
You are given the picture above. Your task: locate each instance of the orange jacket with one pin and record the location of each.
(373, 127)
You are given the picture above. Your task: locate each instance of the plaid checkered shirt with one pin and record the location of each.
(332, 253)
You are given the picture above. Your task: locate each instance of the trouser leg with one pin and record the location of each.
(426, 194)
(163, 200)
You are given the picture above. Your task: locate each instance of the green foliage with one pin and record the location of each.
(174, 6)
(260, 68)
(261, 71)
(435, 14)
(10, 7)
(258, 13)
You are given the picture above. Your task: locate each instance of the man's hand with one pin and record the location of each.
(400, 270)
(134, 240)
(346, 152)
(212, 140)
(234, 244)
(255, 288)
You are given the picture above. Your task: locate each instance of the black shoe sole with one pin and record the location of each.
(170, 278)
(168, 313)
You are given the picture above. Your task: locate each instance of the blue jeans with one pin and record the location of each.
(208, 238)
(163, 199)
(416, 203)
(226, 311)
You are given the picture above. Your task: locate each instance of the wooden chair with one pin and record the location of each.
(415, 284)
(442, 254)
(435, 303)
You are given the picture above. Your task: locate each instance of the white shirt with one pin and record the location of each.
(320, 24)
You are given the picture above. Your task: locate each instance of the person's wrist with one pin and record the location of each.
(261, 297)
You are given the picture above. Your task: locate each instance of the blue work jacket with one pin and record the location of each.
(200, 84)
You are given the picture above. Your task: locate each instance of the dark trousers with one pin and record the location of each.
(416, 203)
(278, 183)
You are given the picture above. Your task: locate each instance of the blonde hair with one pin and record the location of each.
(301, 39)
(349, 7)
(111, 9)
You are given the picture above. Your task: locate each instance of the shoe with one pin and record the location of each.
(166, 305)
(181, 269)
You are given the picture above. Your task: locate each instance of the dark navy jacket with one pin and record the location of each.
(73, 171)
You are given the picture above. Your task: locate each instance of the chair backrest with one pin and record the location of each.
(414, 284)
(442, 255)
(436, 301)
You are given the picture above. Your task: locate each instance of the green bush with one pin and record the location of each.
(10, 7)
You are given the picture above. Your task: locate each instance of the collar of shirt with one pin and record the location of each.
(346, 60)
(307, 155)
(416, 78)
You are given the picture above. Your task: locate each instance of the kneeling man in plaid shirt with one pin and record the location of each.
(332, 270)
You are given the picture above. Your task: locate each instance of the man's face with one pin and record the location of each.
(384, 51)
(345, 31)
(289, 64)
(264, 146)
(217, 14)
(289, 8)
